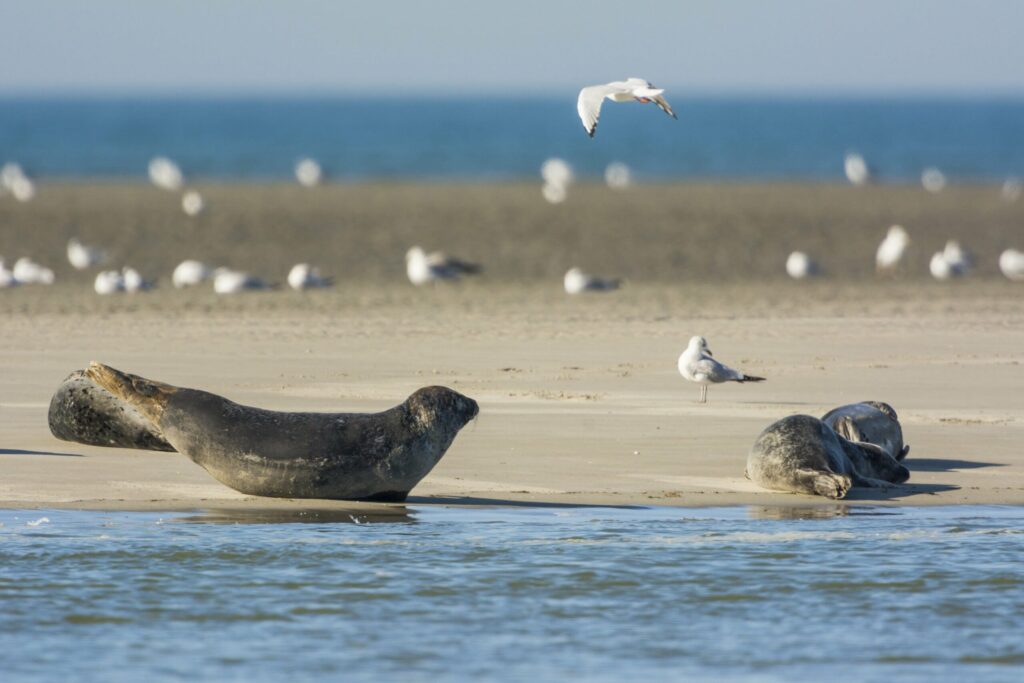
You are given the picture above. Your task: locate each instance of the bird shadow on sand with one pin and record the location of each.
(472, 501)
(943, 465)
(897, 491)
(21, 451)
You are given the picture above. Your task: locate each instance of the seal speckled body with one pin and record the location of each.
(869, 422)
(85, 412)
(802, 454)
(378, 456)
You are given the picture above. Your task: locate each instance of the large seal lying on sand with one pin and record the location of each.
(869, 422)
(378, 456)
(85, 412)
(802, 454)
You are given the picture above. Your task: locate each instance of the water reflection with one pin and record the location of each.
(353, 515)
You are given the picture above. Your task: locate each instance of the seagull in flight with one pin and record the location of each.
(589, 103)
(697, 365)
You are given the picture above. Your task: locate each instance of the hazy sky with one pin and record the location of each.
(365, 47)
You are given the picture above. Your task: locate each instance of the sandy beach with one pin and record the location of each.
(580, 399)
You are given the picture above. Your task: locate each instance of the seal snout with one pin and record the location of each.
(901, 475)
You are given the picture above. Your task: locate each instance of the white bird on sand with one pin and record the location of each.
(891, 250)
(305, 276)
(422, 267)
(618, 176)
(190, 272)
(7, 278)
(697, 365)
(133, 280)
(14, 178)
(227, 281)
(953, 261)
(82, 256)
(576, 281)
(933, 180)
(166, 174)
(799, 266)
(28, 272)
(108, 282)
(308, 172)
(1012, 189)
(588, 105)
(192, 203)
(856, 168)
(1011, 263)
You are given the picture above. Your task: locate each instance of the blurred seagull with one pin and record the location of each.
(165, 174)
(576, 281)
(227, 281)
(952, 261)
(590, 99)
(856, 168)
(1011, 263)
(308, 172)
(799, 266)
(305, 276)
(697, 365)
(28, 272)
(82, 256)
(422, 267)
(190, 272)
(192, 203)
(108, 282)
(132, 280)
(891, 250)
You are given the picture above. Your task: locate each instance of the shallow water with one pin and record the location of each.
(752, 138)
(547, 593)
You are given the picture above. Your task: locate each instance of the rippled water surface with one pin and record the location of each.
(545, 593)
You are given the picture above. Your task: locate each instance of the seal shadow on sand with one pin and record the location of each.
(504, 502)
(897, 491)
(943, 465)
(22, 451)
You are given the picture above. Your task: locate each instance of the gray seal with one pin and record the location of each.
(802, 454)
(84, 412)
(869, 422)
(348, 456)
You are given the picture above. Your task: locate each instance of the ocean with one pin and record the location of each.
(544, 593)
(494, 139)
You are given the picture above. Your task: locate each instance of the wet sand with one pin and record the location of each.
(580, 399)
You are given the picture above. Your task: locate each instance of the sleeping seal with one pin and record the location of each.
(378, 456)
(802, 454)
(869, 422)
(85, 412)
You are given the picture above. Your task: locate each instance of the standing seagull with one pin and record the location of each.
(589, 103)
(697, 365)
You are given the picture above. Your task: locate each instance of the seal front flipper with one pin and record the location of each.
(84, 412)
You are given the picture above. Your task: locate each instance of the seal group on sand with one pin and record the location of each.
(802, 454)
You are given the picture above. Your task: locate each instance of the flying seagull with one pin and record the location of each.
(589, 103)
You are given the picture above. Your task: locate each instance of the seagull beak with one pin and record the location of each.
(708, 351)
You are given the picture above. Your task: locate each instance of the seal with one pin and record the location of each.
(347, 456)
(802, 454)
(84, 412)
(869, 422)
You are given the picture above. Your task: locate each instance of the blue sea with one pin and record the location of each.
(540, 593)
(494, 139)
